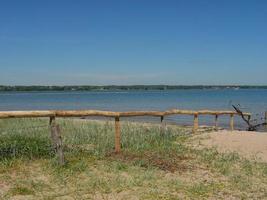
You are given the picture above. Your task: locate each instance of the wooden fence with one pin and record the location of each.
(55, 131)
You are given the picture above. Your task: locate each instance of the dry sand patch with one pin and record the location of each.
(246, 143)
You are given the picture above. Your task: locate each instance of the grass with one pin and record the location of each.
(152, 165)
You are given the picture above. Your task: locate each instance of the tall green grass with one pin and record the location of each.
(30, 138)
(24, 138)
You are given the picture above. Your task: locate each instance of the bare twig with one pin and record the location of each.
(251, 127)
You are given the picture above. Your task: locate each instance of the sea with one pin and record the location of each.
(248, 100)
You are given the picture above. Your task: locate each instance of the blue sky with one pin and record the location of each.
(63, 42)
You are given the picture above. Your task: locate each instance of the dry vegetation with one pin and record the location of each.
(152, 165)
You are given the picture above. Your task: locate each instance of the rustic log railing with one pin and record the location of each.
(55, 131)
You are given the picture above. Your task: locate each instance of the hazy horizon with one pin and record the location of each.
(118, 85)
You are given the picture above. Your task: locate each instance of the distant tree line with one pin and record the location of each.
(4, 88)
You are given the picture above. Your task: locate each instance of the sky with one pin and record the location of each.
(86, 42)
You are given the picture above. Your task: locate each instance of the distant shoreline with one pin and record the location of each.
(37, 88)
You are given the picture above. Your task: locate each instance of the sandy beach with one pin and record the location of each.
(252, 145)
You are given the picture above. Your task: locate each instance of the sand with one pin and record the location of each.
(251, 145)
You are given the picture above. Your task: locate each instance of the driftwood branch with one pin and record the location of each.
(251, 127)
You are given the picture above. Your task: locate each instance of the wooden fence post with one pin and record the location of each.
(195, 123)
(117, 135)
(216, 122)
(162, 125)
(161, 118)
(57, 140)
(231, 122)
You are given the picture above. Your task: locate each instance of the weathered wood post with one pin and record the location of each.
(117, 135)
(195, 123)
(231, 122)
(57, 140)
(161, 118)
(216, 122)
(162, 125)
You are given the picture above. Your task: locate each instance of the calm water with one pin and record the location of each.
(251, 100)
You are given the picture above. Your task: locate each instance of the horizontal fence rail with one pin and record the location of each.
(84, 113)
(55, 130)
